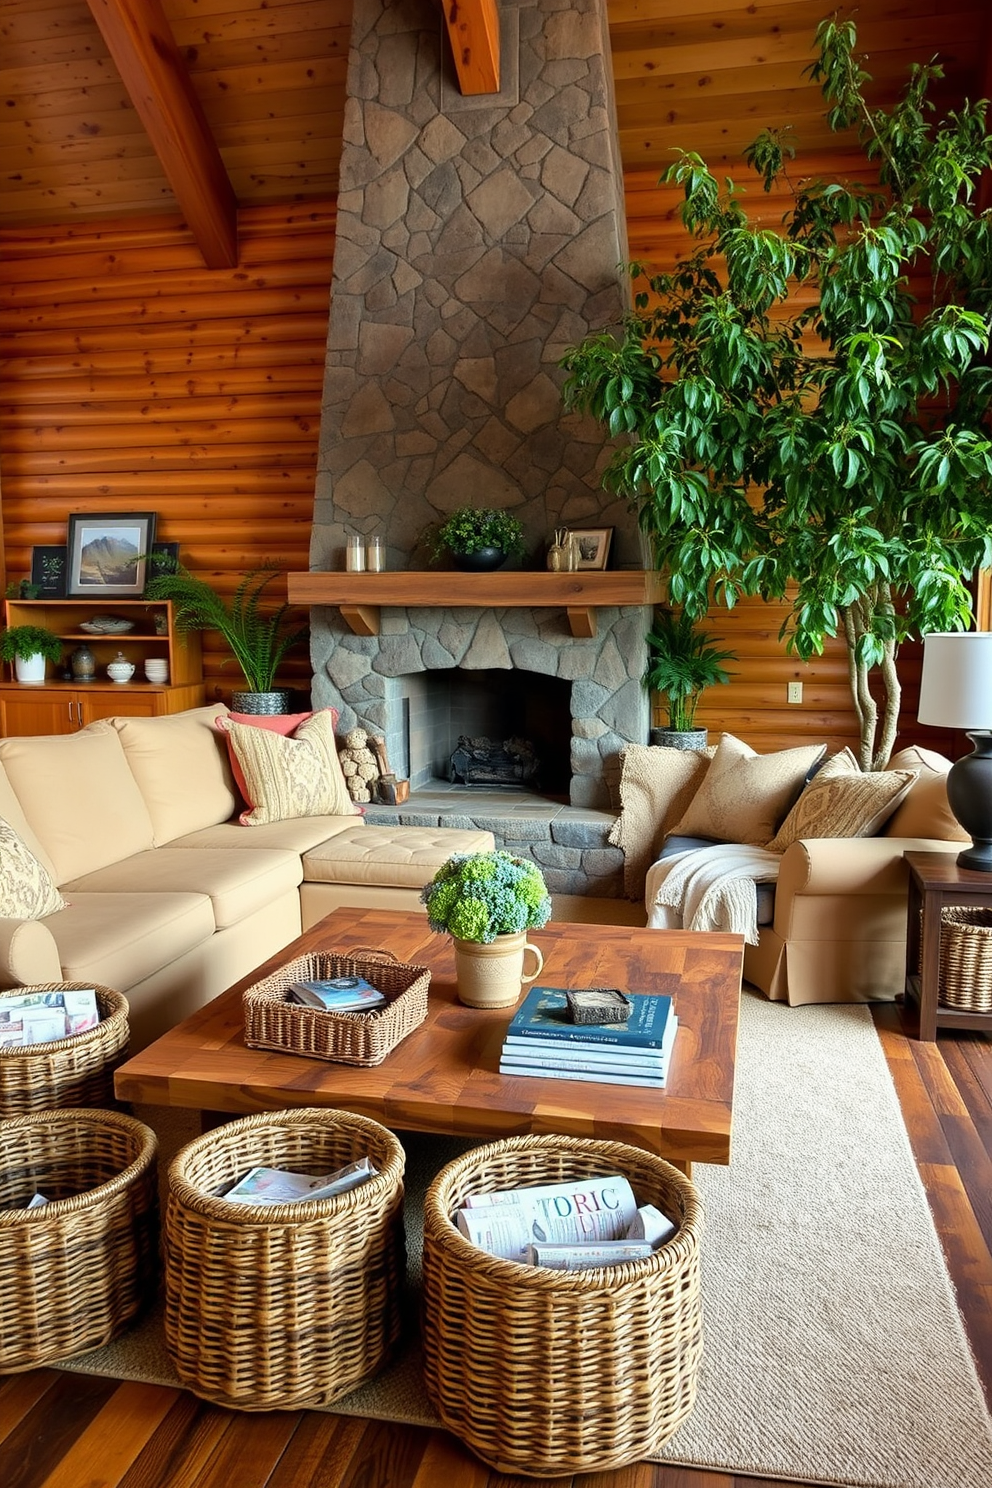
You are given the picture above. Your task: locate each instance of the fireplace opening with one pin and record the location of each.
(510, 709)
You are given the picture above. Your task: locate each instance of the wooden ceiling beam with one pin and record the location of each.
(473, 27)
(152, 70)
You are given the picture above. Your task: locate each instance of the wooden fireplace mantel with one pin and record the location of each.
(360, 596)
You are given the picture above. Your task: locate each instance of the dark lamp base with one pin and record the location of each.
(969, 793)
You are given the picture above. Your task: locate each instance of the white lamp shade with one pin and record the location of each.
(956, 685)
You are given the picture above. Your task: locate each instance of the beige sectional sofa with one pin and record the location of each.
(169, 899)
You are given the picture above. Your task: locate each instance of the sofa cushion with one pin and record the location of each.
(27, 889)
(297, 834)
(80, 798)
(744, 795)
(12, 811)
(286, 777)
(656, 786)
(237, 884)
(842, 800)
(182, 769)
(925, 810)
(120, 939)
(400, 856)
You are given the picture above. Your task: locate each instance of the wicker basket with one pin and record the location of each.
(544, 1372)
(965, 959)
(276, 1306)
(348, 1038)
(75, 1272)
(77, 1071)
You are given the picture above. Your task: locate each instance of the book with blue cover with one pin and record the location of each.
(543, 1015)
(616, 1064)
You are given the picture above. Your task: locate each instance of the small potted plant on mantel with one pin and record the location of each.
(479, 539)
(487, 902)
(681, 665)
(29, 647)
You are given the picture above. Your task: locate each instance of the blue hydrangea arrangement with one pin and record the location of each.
(477, 896)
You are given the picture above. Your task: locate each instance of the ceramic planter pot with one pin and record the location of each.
(492, 975)
(276, 701)
(30, 668)
(483, 560)
(680, 738)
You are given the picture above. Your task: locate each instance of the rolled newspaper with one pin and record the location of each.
(585, 1257)
(582, 1212)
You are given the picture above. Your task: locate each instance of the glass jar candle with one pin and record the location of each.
(354, 554)
(376, 555)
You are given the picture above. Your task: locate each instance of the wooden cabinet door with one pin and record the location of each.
(120, 703)
(37, 712)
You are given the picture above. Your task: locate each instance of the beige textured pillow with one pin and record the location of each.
(289, 777)
(27, 889)
(842, 800)
(656, 786)
(745, 795)
(181, 766)
(925, 811)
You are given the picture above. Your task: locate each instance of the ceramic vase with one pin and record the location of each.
(492, 975)
(30, 668)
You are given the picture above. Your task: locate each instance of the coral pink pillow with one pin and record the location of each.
(277, 723)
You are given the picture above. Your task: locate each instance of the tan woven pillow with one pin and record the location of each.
(656, 786)
(27, 889)
(842, 800)
(290, 777)
(745, 795)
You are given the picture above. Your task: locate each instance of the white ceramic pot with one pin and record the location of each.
(492, 976)
(120, 669)
(30, 668)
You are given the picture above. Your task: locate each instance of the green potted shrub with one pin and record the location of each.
(258, 639)
(479, 539)
(29, 647)
(487, 902)
(682, 663)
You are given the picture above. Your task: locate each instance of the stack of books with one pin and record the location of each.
(542, 1040)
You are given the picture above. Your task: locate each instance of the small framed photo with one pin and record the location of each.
(164, 559)
(108, 554)
(594, 545)
(48, 571)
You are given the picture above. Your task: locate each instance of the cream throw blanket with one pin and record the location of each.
(709, 888)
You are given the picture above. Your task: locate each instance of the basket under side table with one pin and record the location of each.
(936, 882)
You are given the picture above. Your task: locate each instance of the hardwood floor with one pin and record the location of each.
(61, 1430)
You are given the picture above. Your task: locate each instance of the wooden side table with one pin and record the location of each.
(935, 880)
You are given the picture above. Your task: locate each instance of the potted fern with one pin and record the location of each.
(682, 663)
(258, 639)
(29, 647)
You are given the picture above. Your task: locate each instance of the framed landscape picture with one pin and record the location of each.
(594, 546)
(48, 570)
(108, 554)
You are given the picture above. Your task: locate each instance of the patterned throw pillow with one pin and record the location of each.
(288, 777)
(842, 800)
(744, 795)
(27, 889)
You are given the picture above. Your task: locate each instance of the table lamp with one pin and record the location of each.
(956, 692)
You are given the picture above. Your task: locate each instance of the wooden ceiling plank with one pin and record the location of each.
(473, 30)
(154, 74)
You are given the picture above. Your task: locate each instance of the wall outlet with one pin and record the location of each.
(795, 692)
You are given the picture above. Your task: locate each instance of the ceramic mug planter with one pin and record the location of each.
(492, 975)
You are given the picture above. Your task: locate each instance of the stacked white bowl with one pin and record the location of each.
(156, 669)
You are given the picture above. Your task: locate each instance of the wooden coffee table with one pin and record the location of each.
(444, 1077)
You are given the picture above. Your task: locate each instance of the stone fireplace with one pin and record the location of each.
(477, 238)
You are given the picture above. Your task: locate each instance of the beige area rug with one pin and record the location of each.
(834, 1348)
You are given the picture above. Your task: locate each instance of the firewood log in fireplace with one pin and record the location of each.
(483, 761)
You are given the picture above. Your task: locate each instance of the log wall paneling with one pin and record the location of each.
(133, 378)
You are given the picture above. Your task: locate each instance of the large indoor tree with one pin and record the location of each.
(805, 412)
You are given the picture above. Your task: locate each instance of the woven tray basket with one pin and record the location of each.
(966, 959)
(348, 1038)
(544, 1372)
(274, 1306)
(77, 1071)
(74, 1273)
